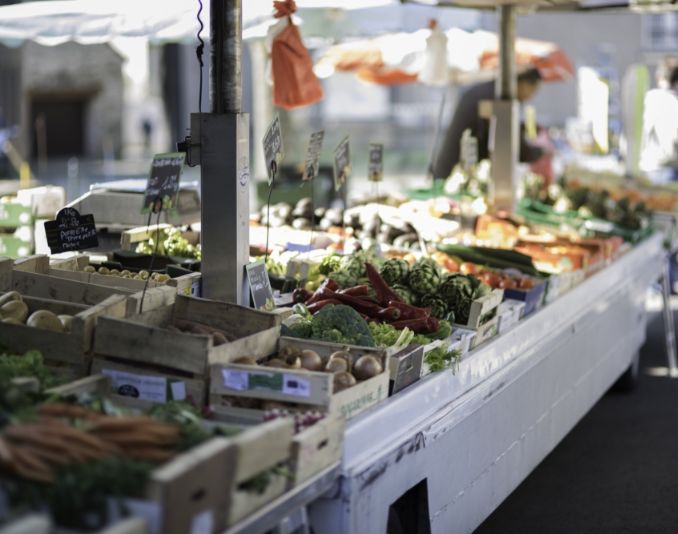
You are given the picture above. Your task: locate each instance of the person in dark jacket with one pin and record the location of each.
(466, 116)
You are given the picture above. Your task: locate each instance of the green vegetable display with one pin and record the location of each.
(440, 359)
(330, 264)
(439, 308)
(170, 242)
(459, 291)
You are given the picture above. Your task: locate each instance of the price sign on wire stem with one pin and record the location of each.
(162, 187)
(375, 171)
(312, 164)
(260, 286)
(71, 231)
(342, 164)
(273, 149)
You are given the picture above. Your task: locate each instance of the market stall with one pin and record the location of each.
(434, 355)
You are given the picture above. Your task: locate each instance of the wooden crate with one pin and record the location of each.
(298, 387)
(486, 332)
(72, 269)
(33, 276)
(72, 348)
(483, 309)
(316, 448)
(405, 367)
(141, 348)
(510, 312)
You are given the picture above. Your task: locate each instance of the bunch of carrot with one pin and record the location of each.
(64, 434)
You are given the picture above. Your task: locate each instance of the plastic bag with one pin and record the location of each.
(294, 82)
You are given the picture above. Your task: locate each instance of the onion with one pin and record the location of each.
(343, 381)
(343, 355)
(311, 360)
(367, 367)
(337, 365)
(275, 362)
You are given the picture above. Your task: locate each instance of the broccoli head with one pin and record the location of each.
(341, 324)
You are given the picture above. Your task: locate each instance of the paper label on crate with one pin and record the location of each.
(238, 380)
(203, 523)
(178, 390)
(294, 385)
(142, 387)
(150, 511)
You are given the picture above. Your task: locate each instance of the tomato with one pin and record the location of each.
(468, 268)
(508, 283)
(452, 266)
(527, 283)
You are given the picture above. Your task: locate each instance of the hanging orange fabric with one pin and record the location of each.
(294, 82)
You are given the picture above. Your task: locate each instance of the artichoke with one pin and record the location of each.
(353, 266)
(423, 279)
(344, 279)
(404, 293)
(428, 262)
(394, 271)
(437, 304)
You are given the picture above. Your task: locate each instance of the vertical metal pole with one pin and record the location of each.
(506, 79)
(225, 56)
(223, 137)
(505, 125)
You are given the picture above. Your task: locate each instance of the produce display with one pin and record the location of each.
(169, 242)
(160, 278)
(13, 310)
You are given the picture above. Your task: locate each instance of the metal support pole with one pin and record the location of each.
(505, 130)
(506, 79)
(225, 56)
(223, 139)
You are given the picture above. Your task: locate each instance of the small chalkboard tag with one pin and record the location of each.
(312, 164)
(260, 285)
(375, 172)
(342, 164)
(163, 182)
(273, 148)
(71, 231)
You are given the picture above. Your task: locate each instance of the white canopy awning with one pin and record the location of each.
(55, 22)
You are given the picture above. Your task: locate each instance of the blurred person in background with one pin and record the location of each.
(466, 116)
(659, 152)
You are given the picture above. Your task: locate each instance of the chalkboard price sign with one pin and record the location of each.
(163, 182)
(71, 231)
(375, 172)
(273, 148)
(260, 285)
(342, 164)
(313, 156)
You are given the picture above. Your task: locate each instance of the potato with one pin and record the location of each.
(66, 321)
(45, 320)
(15, 309)
(89, 269)
(114, 272)
(125, 272)
(10, 296)
(12, 320)
(218, 338)
(104, 270)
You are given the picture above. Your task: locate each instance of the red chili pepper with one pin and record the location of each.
(420, 326)
(322, 293)
(300, 295)
(357, 291)
(389, 314)
(384, 293)
(407, 311)
(319, 305)
(363, 306)
(433, 324)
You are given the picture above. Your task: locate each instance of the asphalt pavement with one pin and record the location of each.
(616, 472)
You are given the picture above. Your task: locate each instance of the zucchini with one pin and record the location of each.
(474, 256)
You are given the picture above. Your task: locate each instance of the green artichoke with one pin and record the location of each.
(394, 271)
(423, 279)
(437, 304)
